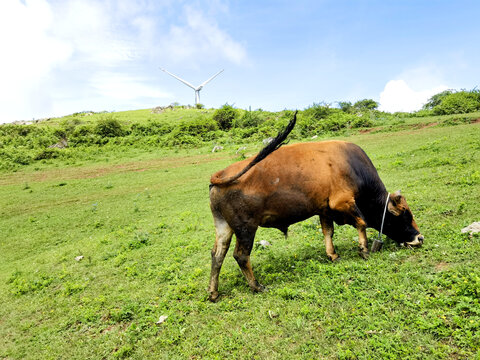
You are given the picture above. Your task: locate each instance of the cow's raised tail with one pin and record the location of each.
(278, 141)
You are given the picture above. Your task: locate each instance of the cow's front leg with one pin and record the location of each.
(241, 254)
(327, 229)
(362, 238)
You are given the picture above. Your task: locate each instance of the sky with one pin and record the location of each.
(59, 57)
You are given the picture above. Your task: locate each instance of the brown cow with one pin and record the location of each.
(333, 179)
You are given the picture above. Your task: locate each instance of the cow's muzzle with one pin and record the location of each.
(417, 242)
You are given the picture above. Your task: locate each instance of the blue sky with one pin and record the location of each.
(65, 56)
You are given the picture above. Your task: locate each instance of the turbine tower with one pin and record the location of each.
(196, 88)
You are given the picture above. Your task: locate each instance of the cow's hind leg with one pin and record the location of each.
(241, 254)
(327, 229)
(222, 242)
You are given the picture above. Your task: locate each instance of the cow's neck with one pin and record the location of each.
(372, 208)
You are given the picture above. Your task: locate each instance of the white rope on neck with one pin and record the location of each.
(383, 218)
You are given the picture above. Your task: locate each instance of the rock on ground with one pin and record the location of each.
(472, 228)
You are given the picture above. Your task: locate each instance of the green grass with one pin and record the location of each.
(142, 223)
(137, 116)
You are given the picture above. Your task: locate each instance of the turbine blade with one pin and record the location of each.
(179, 79)
(214, 76)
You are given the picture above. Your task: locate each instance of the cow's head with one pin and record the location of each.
(399, 223)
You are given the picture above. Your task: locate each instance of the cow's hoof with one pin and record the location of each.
(213, 297)
(364, 254)
(258, 287)
(334, 258)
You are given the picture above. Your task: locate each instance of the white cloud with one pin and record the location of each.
(412, 88)
(29, 54)
(201, 38)
(61, 55)
(95, 33)
(126, 87)
(398, 96)
(122, 91)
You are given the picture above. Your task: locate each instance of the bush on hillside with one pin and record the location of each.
(338, 121)
(335, 121)
(68, 126)
(360, 122)
(151, 128)
(360, 106)
(198, 127)
(49, 153)
(461, 102)
(422, 113)
(249, 119)
(437, 99)
(225, 116)
(365, 104)
(318, 111)
(346, 106)
(11, 157)
(15, 131)
(109, 127)
(178, 139)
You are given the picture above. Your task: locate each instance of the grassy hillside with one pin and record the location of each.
(96, 246)
(97, 137)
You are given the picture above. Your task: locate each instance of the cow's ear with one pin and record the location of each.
(397, 197)
(394, 203)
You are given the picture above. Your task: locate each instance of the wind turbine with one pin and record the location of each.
(196, 88)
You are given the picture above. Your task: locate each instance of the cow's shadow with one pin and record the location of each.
(274, 266)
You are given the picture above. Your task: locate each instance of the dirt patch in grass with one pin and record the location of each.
(95, 171)
(441, 266)
(423, 126)
(400, 127)
(367, 131)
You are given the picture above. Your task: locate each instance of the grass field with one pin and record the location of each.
(143, 226)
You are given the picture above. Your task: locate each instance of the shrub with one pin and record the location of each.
(84, 135)
(22, 132)
(306, 125)
(21, 158)
(346, 106)
(366, 104)
(49, 153)
(60, 133)
(68, 126)
(245, 133)
(337, 121)
(361, 121)
(225, 116)
(197, 127)
(461, 102)
(423, 112)
(179, 139)
(318, 111)
(83, 130)
(249, 119)
(436, 99)
(109, 127)
(151, 128)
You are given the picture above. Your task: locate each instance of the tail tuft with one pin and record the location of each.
(267, 150)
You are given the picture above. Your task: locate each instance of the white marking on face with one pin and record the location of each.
(418, 241)
(276, 181)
